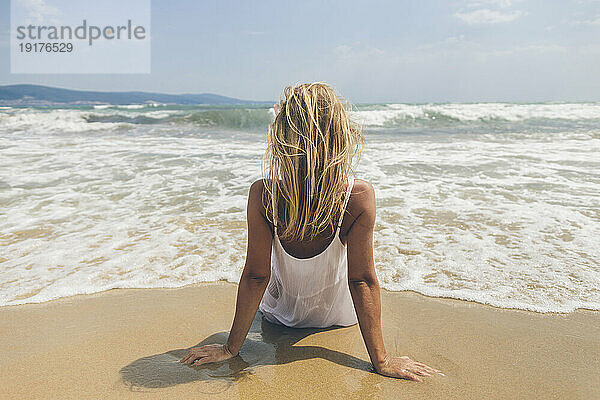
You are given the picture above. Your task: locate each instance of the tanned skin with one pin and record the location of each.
(357, 233)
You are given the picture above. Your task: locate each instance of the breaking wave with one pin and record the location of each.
(380, 116)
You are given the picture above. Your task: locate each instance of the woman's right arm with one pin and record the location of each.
(252, 286)
(364, 288)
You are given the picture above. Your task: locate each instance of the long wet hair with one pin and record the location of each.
(311, 145)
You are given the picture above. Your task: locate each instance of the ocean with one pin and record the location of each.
(492, 202)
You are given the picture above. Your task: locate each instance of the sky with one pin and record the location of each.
(411, 51)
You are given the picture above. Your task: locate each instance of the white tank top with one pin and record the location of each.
(309, 292)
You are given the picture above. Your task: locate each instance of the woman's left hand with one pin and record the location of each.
(206, 354)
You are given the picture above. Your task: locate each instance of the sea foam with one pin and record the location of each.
(507, 216)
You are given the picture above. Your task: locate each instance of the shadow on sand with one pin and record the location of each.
(266, 344)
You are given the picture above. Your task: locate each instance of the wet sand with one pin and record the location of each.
(126, 343)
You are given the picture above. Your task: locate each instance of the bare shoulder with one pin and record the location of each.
(258, 197)
(362, 202)
(257, 190)
(363, 195)
(363, 190)
(257, 186)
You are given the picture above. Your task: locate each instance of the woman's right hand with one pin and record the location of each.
(405, 368)
(206, 354)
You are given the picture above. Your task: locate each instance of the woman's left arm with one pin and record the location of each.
(253, 282)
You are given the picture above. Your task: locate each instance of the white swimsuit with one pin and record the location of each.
(310, 292)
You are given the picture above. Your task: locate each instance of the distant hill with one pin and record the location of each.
(45, 95)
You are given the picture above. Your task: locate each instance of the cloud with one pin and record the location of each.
(487, 16)
(487, 3)
(454, 39)
(489, 12)
(593, 21)
(450, 41)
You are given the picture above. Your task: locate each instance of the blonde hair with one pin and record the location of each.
(311, 145)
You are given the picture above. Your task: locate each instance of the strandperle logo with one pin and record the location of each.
(80, 37)
(91, 33)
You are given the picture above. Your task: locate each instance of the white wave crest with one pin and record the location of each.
(50, 121)
(392, 114)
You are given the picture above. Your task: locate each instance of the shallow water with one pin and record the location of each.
(496, 203)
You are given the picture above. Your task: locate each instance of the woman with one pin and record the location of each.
(310, 234)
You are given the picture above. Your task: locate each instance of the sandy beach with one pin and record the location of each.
(135, 138)
(126, 343)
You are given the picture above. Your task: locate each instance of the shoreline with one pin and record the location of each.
(223, 281)
(134, 337)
